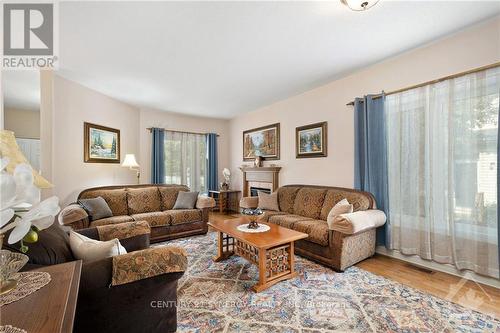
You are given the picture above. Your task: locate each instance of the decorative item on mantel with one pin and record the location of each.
(224, 186)
(258, 161)
(21, 211)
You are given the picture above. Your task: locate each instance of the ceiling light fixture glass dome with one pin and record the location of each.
(359, 5)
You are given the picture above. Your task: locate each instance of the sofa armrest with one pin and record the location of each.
(148, 263)
(74, 216)
(205, 202)
(132, 235)
(353, 223)
(249, 202)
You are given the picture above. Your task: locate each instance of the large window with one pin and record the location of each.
(442, 165)
(186, 160)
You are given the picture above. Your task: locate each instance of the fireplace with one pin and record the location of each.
(254, 191)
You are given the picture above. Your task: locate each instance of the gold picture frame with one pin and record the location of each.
(101, 144)
(262, 141)
(311, 140)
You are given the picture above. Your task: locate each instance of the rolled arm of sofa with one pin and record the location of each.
(205, 202)
(353, 223)
(147, 263)
(74, 216)
(132, 235)
(249, 202)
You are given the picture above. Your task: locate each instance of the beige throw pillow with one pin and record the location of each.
(342, 207)
(88, 249)
(268, 201)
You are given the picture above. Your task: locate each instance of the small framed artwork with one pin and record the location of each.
(262, 141)
(311, 140)
(101, 144)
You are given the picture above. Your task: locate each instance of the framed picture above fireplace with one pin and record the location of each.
(262, 141)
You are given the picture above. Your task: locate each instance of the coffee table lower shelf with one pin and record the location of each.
(275, 264)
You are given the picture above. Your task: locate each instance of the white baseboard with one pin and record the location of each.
(416, 260)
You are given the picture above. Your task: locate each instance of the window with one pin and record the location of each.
(186, 160)
(442, 156)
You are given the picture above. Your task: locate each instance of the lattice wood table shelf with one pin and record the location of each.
(271, 251)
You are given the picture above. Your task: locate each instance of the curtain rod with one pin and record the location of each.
(169, 130)
(444, 78)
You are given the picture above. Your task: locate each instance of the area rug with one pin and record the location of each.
(216, 297)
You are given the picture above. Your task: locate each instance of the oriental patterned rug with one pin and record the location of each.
(216, 297)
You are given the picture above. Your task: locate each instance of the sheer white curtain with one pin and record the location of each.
(186, 160)
(442, 154)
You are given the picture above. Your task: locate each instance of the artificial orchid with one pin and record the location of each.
(227, 174)
(16, 192)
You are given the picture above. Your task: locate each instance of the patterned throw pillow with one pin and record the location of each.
(268, 201)
(186, 200)
(342, 207)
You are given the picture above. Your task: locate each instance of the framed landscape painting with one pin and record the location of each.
(263, 141)
(311, 140)
(101, 144)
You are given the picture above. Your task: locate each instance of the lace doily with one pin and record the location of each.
(28, 283)
(11, 329)
(261, 228)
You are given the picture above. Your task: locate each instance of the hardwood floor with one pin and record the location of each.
(467, 293)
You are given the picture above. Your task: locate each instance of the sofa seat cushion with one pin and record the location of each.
(287, 221)
(115, 198)
(180, 216)
(168, 195)
(309, 202)
(316, 229)
(286, 198)
(154, 219)
(359, 201)
(112, 220)
(268, 213)
(143, 200)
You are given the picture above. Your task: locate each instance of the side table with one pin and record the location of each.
(225, 199)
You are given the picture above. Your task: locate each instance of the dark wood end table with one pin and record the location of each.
(224, 199)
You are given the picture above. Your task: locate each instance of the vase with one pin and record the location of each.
(10, 264)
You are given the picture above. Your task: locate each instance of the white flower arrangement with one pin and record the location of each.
(227, 174)
(17, 194)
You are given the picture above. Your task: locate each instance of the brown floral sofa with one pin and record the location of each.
(305, 208)
(150, 203)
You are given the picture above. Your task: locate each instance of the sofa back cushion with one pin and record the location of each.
(115, 198)
(168, 195)
(286, 198)
(309, 202)
(359, 200)
(143, 200)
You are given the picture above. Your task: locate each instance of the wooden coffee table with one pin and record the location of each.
(271, 251)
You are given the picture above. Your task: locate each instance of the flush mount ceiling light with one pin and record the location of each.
(359, 5)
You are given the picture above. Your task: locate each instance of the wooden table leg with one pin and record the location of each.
(225, 246)
(261, 285)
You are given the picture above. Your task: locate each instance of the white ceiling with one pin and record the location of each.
(220, 59)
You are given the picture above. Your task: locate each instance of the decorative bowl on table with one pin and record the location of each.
(252, 215)
(10, 264)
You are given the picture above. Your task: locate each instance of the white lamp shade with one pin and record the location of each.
(359, 5)
(130, 161)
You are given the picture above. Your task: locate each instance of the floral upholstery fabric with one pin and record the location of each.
(154, 219)
(316, 229)
(356, 247)
(148, 263)
(168, 195)
(143, 200)
(112, 220)
(358, 200)
(286, 221)
(116, 199)
(309, 202)
(179, 216)
(123, 230)
(286, 198)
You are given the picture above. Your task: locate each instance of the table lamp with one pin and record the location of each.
(130, 162)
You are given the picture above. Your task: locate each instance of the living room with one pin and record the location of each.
(250, 166)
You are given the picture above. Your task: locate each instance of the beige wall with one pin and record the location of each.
(475, 47)
(24, 123)
(73, 105)
(174, 121)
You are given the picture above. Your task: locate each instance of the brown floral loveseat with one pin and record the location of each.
(150, 203)
(305, 208)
